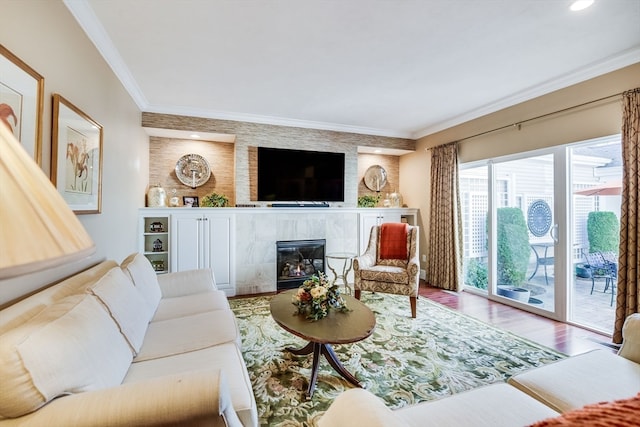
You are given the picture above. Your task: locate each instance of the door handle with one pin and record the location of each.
(554, 233)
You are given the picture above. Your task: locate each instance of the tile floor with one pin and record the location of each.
(591, 310)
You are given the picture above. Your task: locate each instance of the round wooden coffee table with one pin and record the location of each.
(336, 328)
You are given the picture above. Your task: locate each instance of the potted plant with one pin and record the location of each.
(513, 247)
(513, 253)
(368, 201)
(214, 200)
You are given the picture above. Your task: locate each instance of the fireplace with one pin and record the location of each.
(297, 260)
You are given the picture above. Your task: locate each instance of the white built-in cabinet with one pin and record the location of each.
(200, 238)
(204, 240)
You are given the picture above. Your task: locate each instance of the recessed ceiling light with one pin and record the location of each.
(580, 4)
(377, 151)
(194, 135)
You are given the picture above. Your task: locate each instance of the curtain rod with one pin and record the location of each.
(519, 124)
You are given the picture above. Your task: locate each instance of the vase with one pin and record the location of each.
(156, 197)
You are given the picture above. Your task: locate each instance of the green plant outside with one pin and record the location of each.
(368, 201)
(476, 274)
(513, 246)
(214, 200)
(603, 230)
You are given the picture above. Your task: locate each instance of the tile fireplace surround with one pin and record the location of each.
(258, 230)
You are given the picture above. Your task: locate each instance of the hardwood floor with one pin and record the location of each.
(568, 339)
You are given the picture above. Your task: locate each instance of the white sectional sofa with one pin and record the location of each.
(557, 391)
(117, 345)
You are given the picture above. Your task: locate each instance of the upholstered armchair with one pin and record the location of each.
(391, 262)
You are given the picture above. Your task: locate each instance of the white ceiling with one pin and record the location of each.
(403, 68)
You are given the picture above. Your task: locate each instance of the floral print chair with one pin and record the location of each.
(391, 263)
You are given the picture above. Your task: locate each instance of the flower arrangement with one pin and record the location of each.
(316, 296)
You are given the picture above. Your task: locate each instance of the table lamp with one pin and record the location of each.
(38, 230)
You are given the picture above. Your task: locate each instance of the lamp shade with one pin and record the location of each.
(38, 230)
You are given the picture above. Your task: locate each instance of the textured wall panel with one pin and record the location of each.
(251, 135)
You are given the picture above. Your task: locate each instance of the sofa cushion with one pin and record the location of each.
(595, 376)
(623, 412)
(226, 357)
(495, 405)
(186, 305)
(20, 312)
(125, 304)
(70, 347)
(188, 333)
(631, 338)
(144, 277)
(386, 273)
(358, 407)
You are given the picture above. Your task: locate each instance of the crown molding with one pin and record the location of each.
(85, 16)
(612, 63)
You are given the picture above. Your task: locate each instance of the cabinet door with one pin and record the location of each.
(188, 250)
(368, 220)
(218, 247)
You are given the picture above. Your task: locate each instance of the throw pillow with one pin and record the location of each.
(125, 304)
(70, 347)
(143, 276)
(623, 412)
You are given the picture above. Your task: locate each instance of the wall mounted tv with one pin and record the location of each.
(298, 175)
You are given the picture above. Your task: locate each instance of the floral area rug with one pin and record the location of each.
(405, 360)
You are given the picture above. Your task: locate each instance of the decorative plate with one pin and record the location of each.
(193, 170)
(375, 178)
(539, 218)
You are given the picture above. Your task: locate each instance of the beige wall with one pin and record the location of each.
(45, 36)
(590, 121)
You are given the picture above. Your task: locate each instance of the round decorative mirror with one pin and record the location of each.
(193, 170)
(375, 178)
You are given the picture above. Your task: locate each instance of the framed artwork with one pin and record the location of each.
(76, 157)
(191, 201)
(21, 101)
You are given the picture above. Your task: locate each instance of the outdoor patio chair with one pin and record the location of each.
(603, 266)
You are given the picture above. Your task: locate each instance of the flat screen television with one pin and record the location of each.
(300, 176)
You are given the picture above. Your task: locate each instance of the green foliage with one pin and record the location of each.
(476, 274)
(214, 200)
(513, 246)
(603, 229)
(368, 201)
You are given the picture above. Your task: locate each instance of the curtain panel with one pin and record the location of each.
(444, 267)
(628, 300)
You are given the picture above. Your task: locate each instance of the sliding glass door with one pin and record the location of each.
(535, 225)
(596, 183)
(510, 232)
